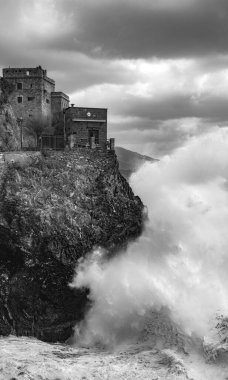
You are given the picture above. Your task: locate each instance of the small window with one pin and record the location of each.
(30, 85)
(30, 98)
(19, 86)
(19, 99)
(27, 72)
(47, 101)
(30, 115)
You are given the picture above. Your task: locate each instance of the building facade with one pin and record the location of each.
(34, 98)
(34, 95)
(59, 101)
(85, 126)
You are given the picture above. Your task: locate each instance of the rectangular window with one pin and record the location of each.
(19, 99)
(30, 85)
(30, 98)
(27, 72)
(19, 86)
(47, 101)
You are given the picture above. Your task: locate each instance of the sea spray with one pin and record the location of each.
(181, 260)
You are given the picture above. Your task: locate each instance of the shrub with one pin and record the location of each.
(5, 90)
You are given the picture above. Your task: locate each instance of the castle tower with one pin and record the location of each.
(32, 96)
(59, 101)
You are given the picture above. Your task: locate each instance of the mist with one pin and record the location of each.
(180, 262)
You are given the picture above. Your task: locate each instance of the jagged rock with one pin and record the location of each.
(215, 344)
(9, 129)
(53, 212)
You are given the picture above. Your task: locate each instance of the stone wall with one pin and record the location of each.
(59, 101)
(46, 109)
(21, 159)
(82, 123)
(32, 95)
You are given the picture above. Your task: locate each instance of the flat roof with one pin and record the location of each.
(21, 73)
(88, 108)
(91, 120)
(60, 94)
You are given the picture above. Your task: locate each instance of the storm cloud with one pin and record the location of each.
(130, 29)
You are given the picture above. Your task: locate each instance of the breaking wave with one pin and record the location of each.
(180, 262)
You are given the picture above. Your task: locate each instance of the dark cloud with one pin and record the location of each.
(84, 72)
(213, 108)
(128, 29)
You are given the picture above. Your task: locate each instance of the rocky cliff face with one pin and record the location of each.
(54, 210)
(9, 129)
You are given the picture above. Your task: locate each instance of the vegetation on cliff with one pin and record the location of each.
(9, 129)
(5, 90)
(53, 211)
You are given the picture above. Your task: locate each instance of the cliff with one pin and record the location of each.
(9, 129)
(54, 210)
(130, 161)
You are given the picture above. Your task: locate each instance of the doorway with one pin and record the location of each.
(94, 133)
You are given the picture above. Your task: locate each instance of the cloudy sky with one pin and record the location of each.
(159, 66)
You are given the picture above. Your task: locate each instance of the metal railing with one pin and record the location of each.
(57, 142)
(52, 142)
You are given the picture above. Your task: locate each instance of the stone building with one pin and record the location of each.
(34, 97)
(59, 101)
(85, 126)
(34, 94)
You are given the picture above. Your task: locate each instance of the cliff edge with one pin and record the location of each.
(53, 210)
